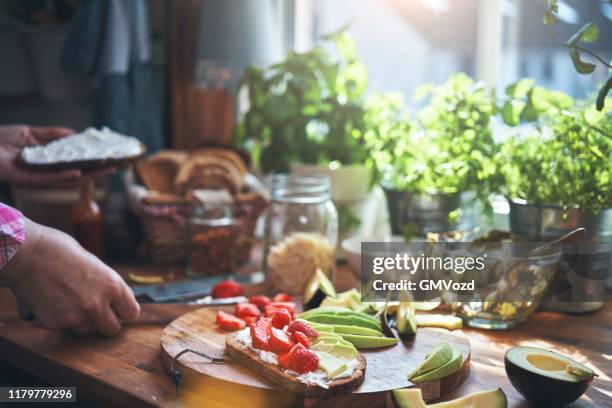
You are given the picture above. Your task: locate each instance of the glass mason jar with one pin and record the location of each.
(212, 235)
(301, 232)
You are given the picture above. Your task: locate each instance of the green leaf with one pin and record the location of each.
(588, 33)
(581, 66)
(603, 94)
(552, 8)
(520, 88)
(511, 112)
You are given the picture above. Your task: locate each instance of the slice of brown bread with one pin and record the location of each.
(227, 154)
(208, 172)
(157, 172)
(246, 356)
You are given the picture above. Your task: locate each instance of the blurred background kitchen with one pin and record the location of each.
(168, 73)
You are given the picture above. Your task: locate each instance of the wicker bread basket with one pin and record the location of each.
(166, 226)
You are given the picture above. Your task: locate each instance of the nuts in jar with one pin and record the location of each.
(212, 237)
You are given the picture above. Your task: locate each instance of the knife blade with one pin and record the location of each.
(186, 290)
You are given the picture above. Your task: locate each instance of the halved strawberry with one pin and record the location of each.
(284, 360)
(260, 334)
(281, 318)
(281, 297)
(302, 326)
(247, 309)
(302, 359)
(279, 341)
(260, 301)
(229, 322)
(250, 320)
(227, 288)
(301, 338)
(273, 306)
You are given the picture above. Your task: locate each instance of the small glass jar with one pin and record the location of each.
(301, 232)
(212, 235)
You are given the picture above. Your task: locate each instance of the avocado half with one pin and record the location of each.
(546, 378)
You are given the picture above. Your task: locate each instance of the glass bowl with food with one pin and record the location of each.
(510, 286)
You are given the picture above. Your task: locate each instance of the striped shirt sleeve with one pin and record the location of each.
(12, 233)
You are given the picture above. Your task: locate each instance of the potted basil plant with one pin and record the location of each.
(559, 178)
(306, 115)
(433, 166)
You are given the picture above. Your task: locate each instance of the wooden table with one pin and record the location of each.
(126, 370)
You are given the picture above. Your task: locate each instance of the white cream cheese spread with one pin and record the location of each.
(244, 336)
(91, 144)
(317, 377)
(268, 357)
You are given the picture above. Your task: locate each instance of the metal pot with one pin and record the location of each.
(427, 212)
(593, 261)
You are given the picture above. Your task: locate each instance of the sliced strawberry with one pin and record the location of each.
(260, 301)
(302, 359)
(247, 309)
(301, 338)
(250, 320)
(260, 334)
(284, 360)
(281, 318)
(304, 327)
(227, 288)
(229, 322)
(273, 306)
(281, 297)
(280, 341)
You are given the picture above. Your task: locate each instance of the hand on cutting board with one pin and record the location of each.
(14, 138)
(66, 287)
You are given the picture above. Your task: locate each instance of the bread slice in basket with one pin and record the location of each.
(249, 358)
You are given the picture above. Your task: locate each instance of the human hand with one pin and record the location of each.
(66, 287)
(14, 138)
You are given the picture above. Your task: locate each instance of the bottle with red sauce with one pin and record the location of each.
(87, 220)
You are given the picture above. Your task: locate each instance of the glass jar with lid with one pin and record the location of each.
(212, 235)
(301, 232)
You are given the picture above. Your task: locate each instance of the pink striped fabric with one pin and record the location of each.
(12, 233)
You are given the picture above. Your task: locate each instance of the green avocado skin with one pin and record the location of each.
(543, 391)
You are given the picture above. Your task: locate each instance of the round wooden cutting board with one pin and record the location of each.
(387, 368)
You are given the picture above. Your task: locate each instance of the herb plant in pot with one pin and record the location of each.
(306, 115)
(560, 178)
(431, 167)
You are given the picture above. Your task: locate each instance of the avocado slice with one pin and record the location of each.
(333, 366)
(405, 320)
(483, 399)
(318, 288)
(367, 342)
(439, 320)
(439, 355)
(329, 336)
(450, 367)
(343, 320)
(337, 311)
(412, 398)
(363, 331)
(351, 299)
(545, 377)
(409, 398)
(343, 350)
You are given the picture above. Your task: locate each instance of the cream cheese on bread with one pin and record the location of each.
(317, 377)
(91, 144)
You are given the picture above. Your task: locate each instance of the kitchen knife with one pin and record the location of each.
(186, 290)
